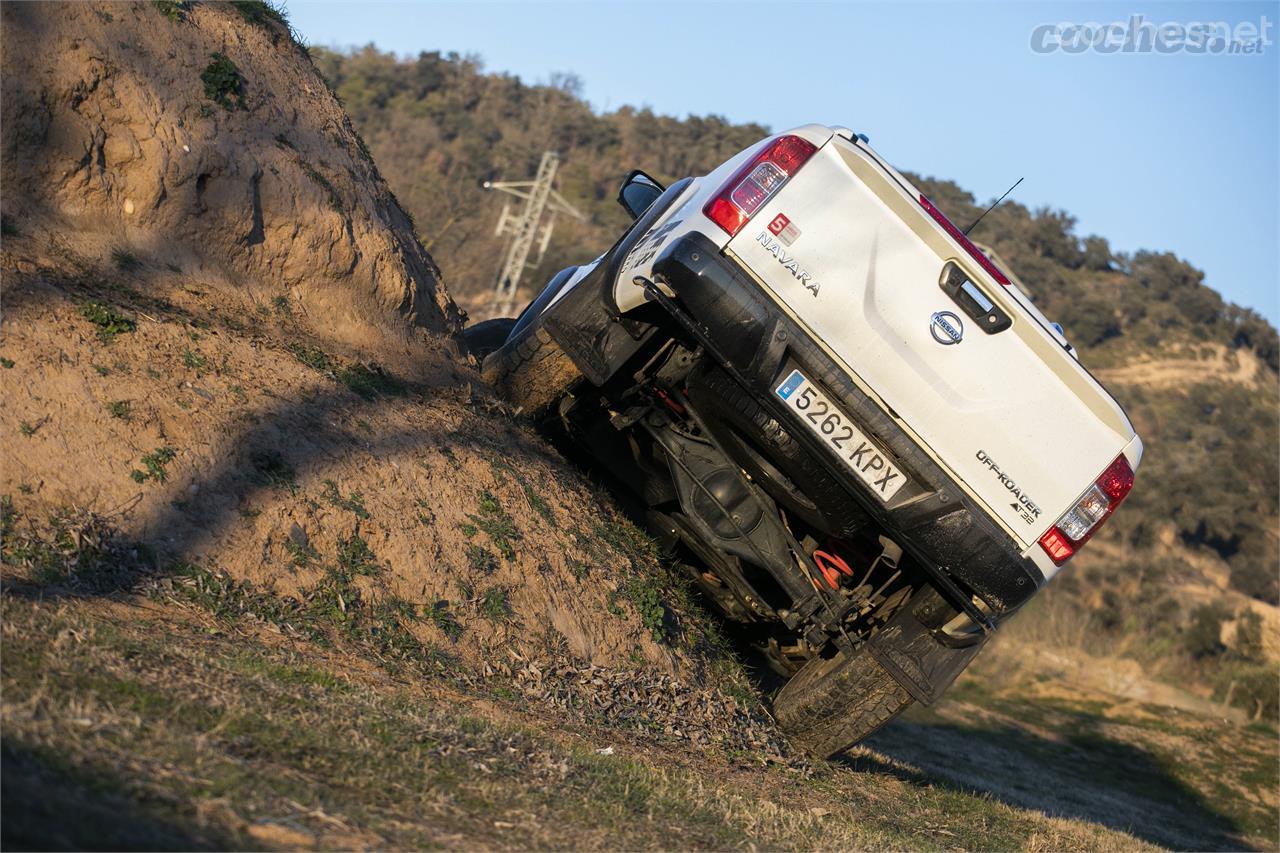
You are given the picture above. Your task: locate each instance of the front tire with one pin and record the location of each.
(833, 703)
(531, 371)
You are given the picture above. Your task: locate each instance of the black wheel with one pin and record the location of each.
(833, 703)
(792, 476)
(530, 371)
(488, 336)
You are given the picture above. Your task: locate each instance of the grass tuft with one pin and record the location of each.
(481, 559)
(194, 359)
(442, 617)
(353, 503)
(356, 558)
(370, 381)
(260, 13)
(334, 609)
(125, 260)
(272, 469)
(174, 10)
(335, 200)
(364, 149)
(656, 593)
(496, 524)
(313, 357)
(155, 462)
(68, 542)
(301, 553)
(366, 381)
(109, 321)
(645, 595)
(537, 504)
(223, 84)
(494, 605)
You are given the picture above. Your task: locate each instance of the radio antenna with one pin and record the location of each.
(992, 207)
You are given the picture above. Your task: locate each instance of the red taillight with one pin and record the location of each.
(757, 181)
(722, 212)
(1057, 546)
(1117, 480)
(789, 153)
(959, 237)
(1080, 522)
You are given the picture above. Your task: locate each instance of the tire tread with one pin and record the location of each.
(838, 703)
(531, 371)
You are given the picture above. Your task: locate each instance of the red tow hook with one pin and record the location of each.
(831, 565)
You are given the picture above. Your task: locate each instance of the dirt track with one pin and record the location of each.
(1239, 366)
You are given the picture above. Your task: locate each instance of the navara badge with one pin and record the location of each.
(946, 328)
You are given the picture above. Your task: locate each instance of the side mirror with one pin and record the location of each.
(638, 192)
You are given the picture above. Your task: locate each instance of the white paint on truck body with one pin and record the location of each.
(1012, 416)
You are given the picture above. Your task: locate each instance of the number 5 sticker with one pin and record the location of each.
(782, 227)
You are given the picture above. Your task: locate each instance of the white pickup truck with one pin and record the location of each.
(858, 435)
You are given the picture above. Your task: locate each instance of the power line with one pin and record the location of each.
(525, 227)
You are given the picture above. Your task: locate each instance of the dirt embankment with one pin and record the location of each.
(201, 137)
(222, 336)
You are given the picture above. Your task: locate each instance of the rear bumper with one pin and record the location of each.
(935, 521)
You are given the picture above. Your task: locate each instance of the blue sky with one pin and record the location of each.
(1170, 152)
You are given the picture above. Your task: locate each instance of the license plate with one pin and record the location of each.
(837, 431)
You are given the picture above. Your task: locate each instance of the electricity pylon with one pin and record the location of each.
(524, 228)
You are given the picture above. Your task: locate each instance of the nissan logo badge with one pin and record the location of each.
(946, 328)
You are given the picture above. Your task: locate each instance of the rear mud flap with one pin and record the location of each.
(916, 659)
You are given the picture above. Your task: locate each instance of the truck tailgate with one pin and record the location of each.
(847, 249)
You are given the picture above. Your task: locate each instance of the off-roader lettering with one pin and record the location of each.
(764, 437)
(1009, 484)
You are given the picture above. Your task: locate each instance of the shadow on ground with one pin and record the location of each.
(1076, 771)
(49, 805)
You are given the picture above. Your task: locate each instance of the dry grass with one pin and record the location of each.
(159, 726)
(187, 709)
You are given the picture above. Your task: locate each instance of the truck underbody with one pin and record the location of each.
(674, 412)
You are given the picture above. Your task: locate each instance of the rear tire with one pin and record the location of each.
(531, 371)
(833, 703)
(488, 336)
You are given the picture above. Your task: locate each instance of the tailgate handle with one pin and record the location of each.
(969, 296)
